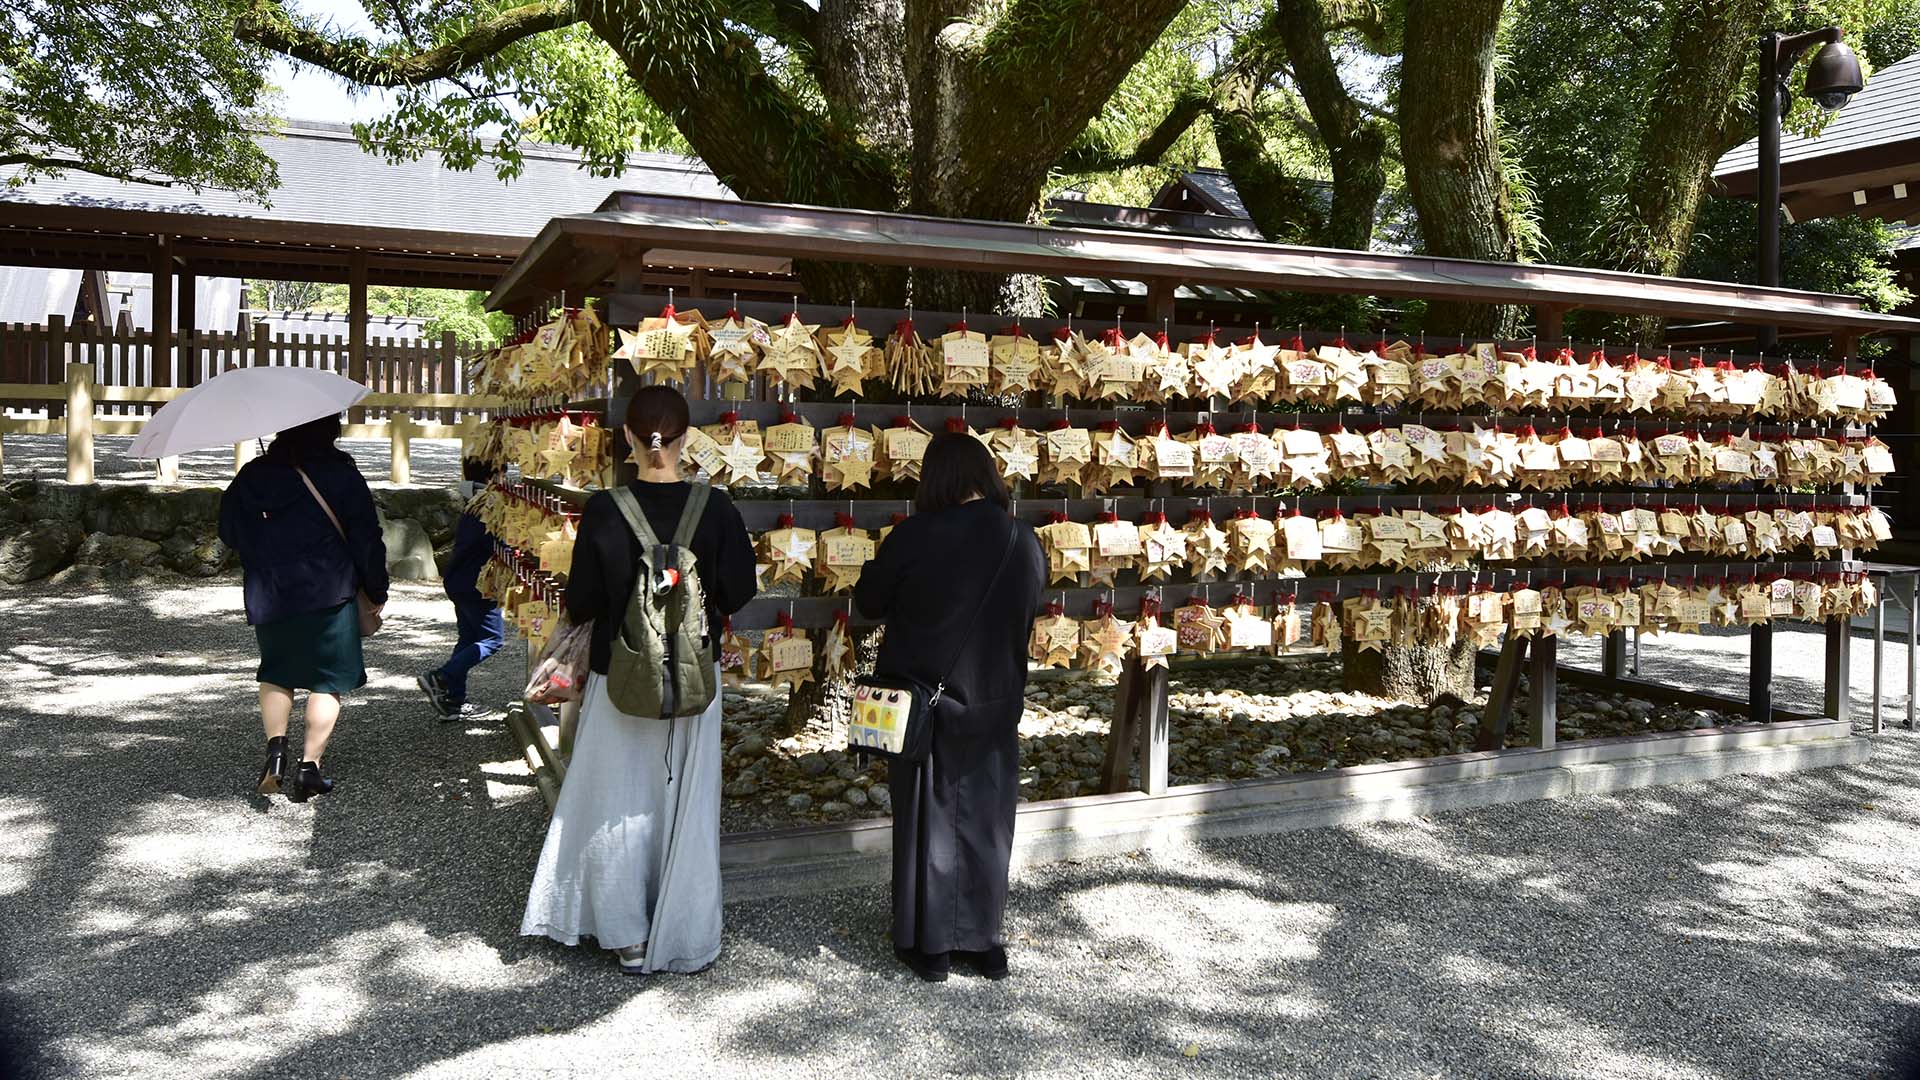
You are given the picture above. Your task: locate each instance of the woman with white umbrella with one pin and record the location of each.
(304, 524)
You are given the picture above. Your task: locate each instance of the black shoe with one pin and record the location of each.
(274, 772)
(990, 963)
(931, 967)
(435, 687)
(307, 783)
(465, 712)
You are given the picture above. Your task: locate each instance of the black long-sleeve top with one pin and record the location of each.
(293, 559)
(926, 580)
(606, 556)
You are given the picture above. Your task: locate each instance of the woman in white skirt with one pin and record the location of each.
(632, 858)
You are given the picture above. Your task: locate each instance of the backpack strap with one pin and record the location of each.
(636, 520)
(697, 493)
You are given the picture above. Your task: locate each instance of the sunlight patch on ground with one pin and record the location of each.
(1469, 970)
(1419, 839)
(240, 1024)
(164, 837)
(25, 835)
(1210, 933)
(1566, 1045)
(459, 962)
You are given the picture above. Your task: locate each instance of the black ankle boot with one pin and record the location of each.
(991, 963)
(932, 967)
(307, 783)
(274, 772)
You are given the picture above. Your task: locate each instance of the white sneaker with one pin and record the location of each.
(633, 959)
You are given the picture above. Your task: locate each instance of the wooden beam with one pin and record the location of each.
(1543, 698)
(1549, 323)
(1506, 683)
(188, 364)
(79, 423)
(357, 326)
(160, 270)
(1122, 732)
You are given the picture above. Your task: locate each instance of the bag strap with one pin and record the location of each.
(322, 500)
(1013, 534)
(690, 517)
(637, 521)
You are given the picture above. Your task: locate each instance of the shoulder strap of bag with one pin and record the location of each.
(636, 520)
(1013, 534)
(690, 517)
(322, 500)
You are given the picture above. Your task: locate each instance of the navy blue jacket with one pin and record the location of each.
(293, 560)
(472, 547)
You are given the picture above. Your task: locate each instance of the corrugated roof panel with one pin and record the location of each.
(1887, 111)
(325, 177)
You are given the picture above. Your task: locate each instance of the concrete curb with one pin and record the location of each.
(794, 862)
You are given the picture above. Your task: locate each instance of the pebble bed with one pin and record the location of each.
(1240, 722)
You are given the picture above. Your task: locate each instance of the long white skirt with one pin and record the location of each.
(633, 851)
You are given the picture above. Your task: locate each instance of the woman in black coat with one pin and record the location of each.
(953, 813)
(302, 574)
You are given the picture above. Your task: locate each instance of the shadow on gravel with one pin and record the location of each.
(182, 926)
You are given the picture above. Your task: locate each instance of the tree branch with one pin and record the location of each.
(1187, 108)
(757, 137)
(271, 25)
(997, 103)
(41, 161)
(790, 22)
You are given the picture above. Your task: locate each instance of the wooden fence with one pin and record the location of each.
(75, 406)
(36, 355)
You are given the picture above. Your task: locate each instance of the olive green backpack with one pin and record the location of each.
(660, 664)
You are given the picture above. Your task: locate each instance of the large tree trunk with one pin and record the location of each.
(1421, 674)
(1417, 673)
(1694, 116)
(1355, 143)
(1283, 206)
(1450, 141)
(996, 100)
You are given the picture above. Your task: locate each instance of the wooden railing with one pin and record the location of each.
(36, 355)
(74, 410)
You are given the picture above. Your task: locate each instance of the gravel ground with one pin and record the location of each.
(160, 922)
(436, 462)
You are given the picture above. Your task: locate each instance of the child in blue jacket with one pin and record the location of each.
(482, 629)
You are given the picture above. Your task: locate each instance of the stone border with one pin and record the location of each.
(797, 861)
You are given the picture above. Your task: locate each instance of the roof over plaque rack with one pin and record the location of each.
(578, 254)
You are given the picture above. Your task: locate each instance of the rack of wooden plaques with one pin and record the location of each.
(1140, 714)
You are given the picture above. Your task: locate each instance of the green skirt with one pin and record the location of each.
(318, 651)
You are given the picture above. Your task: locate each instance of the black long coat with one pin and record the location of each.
(953, 813)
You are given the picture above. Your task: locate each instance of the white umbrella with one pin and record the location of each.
(243, 404)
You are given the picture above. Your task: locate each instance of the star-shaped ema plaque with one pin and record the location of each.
(664, 347)
(1019, 454)
(731, 356)
(1015, 363)
(742, 461)
(792, 355)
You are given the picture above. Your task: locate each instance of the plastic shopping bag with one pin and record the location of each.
(560, 673)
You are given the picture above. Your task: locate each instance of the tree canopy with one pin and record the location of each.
(156, 91)
(1577, 130)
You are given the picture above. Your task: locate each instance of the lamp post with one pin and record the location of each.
(1833, 78)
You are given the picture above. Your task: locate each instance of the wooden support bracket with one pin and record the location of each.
(1141, 730)
(1543, 715)
(1506, 681)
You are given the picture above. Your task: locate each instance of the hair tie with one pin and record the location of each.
(655, 442)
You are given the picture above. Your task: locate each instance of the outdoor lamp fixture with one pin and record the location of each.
(1832, 78)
